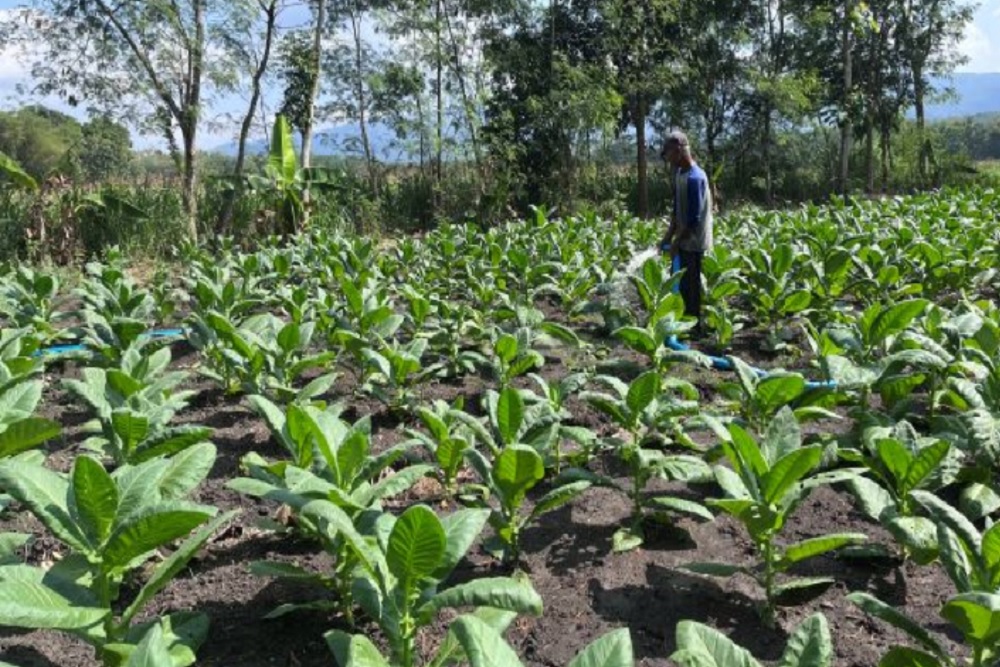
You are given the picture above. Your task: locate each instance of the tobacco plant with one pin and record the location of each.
(699, 645)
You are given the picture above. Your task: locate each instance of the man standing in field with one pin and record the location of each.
(690, 232)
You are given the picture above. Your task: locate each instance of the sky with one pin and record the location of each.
(981, 44)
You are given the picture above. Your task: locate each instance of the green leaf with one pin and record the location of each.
(153, 526)
(810, 645)
(975, 614)
(517, 469)
(25, 604)
(416, 545)
(903, 656)
(788, 470)
(918, 534)
(186, 470)
(875, 607)
(782, 436)
(354, 650)
(800, 551)
(642, 392)
(506, 348)
(483, 646)
(497, 592)
(744, 453)
(873, 499)
(701, 646)
(894, 319)
(558, 497)
(152, 651)
(611, 650)
(171, 567)
(13, 171)
(131, 428)
(510, 414)
(945, 513)
(978, 501)
(451, 651)
(796, 302)
(93, 499)
(44, 493)
(778, 390)
(925, 463)
(461, 529)
(281, 160)
(681, 506)
(27, 433)
(638, 340)
(626, 539)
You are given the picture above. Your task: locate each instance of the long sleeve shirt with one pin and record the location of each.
(693, 209)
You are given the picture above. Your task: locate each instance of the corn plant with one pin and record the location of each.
(764, 486)
(401, 573)
(112, 525)
(699, 645)
(635, 409)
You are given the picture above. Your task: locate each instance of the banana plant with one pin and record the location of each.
(764, 486)
(401, 575)
(699, 645)
(635, 409)
(112, 525)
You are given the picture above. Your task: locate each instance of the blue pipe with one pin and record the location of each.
(156, 334)
(721, 363)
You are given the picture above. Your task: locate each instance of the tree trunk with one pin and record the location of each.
(438, 93)
(189, 193)
(766, 157)
(918, 105)
(317, 65)
(640, 140)
(360, 92)
(468, 105)
(870, 155)
(847, 126)
(189, 120)
(886, 158)
(229, 205)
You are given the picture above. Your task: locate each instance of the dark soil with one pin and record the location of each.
(587, 589)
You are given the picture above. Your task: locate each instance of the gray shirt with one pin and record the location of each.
(693, 209)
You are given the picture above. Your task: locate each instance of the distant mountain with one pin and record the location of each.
(976, 94)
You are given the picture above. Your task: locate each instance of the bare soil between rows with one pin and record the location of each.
(587, 589)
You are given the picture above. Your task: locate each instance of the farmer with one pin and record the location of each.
(690, 234)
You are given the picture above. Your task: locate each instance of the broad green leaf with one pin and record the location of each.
(680, 506)
(875, 607)
(925, 463)
(177, 561)
(153, 526)
(978, 501)
(800, 551)
(642, 392)
(810, 645)
(186, 470)
(918, 534)
(945, 513)
(131, 428)
(354, 650)
(701, 646)
(777, 390)
(416, 545)
(873, 499)
(611, 650)
(44, 493)
(152, 651)
(497, 592)
(745, 454)
(895, 457)
(903, 656)
(451, 650)
(334, 522)
(894, 319)
(638, 340)
(991, 547)
(788, 470)
(954, 559)
(975, 614)
(517, 469)
(558, 497)
(782, 436)
(796, 302)
(12, 170)
(461, 529)
(281, 160)
(483, 646)
(510, 414)
(25, 434)
(93, 499)
(26, 604)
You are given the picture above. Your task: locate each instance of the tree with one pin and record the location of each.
(105, 150)
(929, 32)
(141, 62)
(43, 141)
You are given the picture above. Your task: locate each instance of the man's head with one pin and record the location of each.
(676, 149)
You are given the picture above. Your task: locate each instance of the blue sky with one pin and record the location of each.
(981, 45)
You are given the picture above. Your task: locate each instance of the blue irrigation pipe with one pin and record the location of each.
(69, 348)
(722, 363)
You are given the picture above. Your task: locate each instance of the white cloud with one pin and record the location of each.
(981, 43)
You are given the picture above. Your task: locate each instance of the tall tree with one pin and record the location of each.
(930, 31)
(143, 60)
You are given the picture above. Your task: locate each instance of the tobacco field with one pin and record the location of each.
(499, 446)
